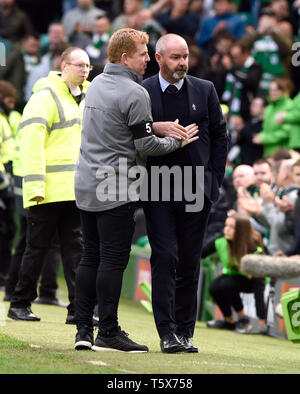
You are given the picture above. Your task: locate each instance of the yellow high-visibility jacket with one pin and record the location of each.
(50, 141)
(14, 120)
(7, 145)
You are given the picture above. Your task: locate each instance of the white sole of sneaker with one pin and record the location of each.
(83, 345)
(109, 349)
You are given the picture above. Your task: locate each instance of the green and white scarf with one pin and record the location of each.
(266, 52)
(233, 89)
(94, 49)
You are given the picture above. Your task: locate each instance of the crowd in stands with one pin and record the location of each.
(248, 49)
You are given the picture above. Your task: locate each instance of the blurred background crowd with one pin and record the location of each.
(249, 49)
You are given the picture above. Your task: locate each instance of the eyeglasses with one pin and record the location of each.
(82, 66)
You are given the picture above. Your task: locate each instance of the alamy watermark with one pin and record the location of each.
(2, 54)
(296, 55)
(124, 183)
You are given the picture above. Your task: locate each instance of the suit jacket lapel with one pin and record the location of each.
(192, 100)
(156, 99)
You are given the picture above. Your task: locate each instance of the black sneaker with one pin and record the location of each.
(243, 325)
(118, 343)
(84, 339)
(221, 324)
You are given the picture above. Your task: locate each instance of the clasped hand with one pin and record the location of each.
(175, 130)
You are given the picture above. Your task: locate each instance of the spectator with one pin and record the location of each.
(198, 6)
(242, 81)
(198, 62)
(178, 19)
(68, 5)
(131, 9)
(224, 19)
(55, 36)
(49, 62)
(290, 121)
(239, 239)
(251, 152)
(112, 8)
(275, 204)
(269, 48)
(220, 61)
(30, 47)
(292, 216)
(14, 23)
(235, 126)
(7, 222)
(19, 61)
(146, 22)
(242, 177)
(262, 173)
(281, 9)
(280, 154)
(97, 49)
(79, 22)
(273, 134)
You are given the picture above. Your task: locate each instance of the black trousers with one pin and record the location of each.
(107, 240)
(44, 221)
(48, 283)
(226, 289)
(176, 238)
(7, 232)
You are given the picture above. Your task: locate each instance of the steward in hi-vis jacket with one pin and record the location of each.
(50, 140)
(7, 223)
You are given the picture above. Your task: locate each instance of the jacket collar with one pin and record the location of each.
(55, 77)
(118, 69)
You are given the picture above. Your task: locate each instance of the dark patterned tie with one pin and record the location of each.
(171, 89)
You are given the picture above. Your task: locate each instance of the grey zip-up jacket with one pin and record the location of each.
(117, 137)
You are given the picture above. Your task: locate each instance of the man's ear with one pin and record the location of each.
(62, 66)
(124, 59)
(157, 57)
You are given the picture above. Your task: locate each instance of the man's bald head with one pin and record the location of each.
(172, 55)
(243, 175)
(169, 40)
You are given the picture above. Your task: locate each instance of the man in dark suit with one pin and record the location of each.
(175, 227)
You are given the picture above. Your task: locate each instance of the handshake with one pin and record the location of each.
(175, 130)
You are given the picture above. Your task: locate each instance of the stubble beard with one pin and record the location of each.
(175, 75)
(179, 75)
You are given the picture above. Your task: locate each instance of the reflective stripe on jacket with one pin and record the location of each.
(7, 145)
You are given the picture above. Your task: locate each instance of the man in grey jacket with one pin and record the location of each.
(117, 136)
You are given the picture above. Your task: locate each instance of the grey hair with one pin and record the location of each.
(162, 42)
